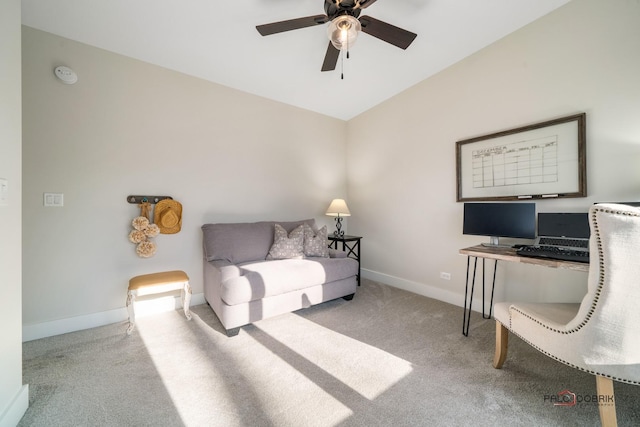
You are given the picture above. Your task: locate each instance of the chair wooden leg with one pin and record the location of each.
(502, 340)
(606, 402)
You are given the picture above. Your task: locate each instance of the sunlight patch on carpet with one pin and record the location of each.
(363, 368)
(285, 368)
(241, 375)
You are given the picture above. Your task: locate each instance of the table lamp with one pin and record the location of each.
(338, 208)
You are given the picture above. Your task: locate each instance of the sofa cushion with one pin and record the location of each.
(242, 242)
(287, 246)
(268, 278)
(315, 242)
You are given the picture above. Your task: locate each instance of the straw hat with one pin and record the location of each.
(168, 216)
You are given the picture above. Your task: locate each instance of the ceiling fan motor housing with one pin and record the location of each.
(335, 8)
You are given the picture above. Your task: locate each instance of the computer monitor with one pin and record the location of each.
(574, 225)
(511, 219)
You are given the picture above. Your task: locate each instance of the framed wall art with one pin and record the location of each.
(542, 160)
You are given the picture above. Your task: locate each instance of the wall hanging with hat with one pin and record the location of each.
(168, 216)
(167, 219)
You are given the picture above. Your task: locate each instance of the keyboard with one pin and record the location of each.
(558, 241)
(551, 252)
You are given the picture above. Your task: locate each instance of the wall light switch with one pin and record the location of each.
(4, 192)
(54, 199)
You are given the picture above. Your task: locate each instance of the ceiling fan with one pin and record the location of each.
(345, 24)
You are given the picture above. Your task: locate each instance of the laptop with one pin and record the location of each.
(563, 230)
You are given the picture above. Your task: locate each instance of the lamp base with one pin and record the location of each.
(338, 232)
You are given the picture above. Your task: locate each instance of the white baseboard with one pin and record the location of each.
(78, 323)
(16, 409)
(93, 320)
(455, 298)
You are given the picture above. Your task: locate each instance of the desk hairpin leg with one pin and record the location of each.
(466, 319)
(466, 315)
(493, 288)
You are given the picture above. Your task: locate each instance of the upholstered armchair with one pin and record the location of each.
(601, 335)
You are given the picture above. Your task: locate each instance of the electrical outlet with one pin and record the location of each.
(445, 276)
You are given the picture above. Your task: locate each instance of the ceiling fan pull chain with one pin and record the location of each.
(342, 60)
(347, 47)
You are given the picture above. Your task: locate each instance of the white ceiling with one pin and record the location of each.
(217, 41)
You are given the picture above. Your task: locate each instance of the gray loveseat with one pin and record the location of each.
(242, 286)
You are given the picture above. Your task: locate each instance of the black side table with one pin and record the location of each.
(350, 244)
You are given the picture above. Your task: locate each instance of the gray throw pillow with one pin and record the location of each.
(315, 242)
(287, 247)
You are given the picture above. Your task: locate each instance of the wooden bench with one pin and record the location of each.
(156, 283)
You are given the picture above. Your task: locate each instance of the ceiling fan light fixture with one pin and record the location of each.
(343, 31)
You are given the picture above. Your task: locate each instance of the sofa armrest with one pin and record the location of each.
(216, 273)
(219, 271)
(336, 253)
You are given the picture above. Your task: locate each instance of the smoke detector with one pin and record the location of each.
(66, 75)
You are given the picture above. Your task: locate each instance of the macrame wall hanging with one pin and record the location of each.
(165, 219)
(143, 231)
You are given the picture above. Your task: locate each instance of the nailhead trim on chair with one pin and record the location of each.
(622, 380)
(593, 305)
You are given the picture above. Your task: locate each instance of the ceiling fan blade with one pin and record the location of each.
(366, 3)
(291, 24)
(387, 32)
(331, 58)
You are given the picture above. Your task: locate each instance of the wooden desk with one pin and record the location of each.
(500, 254)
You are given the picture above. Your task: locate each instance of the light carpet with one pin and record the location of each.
(388, 357)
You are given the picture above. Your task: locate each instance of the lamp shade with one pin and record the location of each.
(343, 31)
(338, 207)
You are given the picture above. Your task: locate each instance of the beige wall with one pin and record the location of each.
(401, 154)
(13, 395)
(128, 127)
